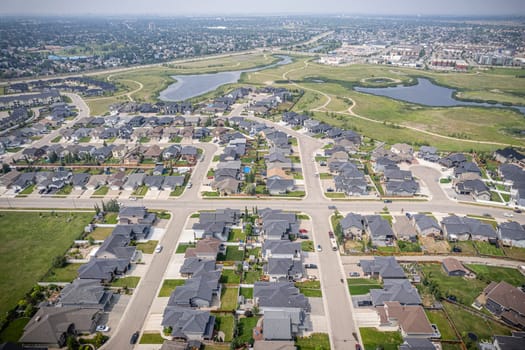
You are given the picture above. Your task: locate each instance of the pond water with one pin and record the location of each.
(429, 94)
(189, 86)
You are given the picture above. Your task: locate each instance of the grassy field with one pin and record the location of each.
(101, 233)
(515, 253)
(244, 327)
(14, 330)
(439, 318)
(247, 293)
(151, 338)
(372, 339)
(316, 341)
(126, 282)
(497, 274)
(147, 247)
(454, 285)
(229, 298)
(169, 286)
(230, 277)
(310, 288)
(63, 274)
(225, 323)
(30, 241)
(360, 286)
(232, 254)
(486, 248)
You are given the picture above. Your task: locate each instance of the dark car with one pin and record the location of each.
(452, 298)
(310, 266)
(387, 201)
(456, 249)
(364, 303)
(134, 338)
(517, 210)
(303, 236)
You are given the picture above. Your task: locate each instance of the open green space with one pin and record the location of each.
(101, 233)
(316, 341)
(14, 330)
(147, 247)
(247, 293)
(62, 274)
(229, 298)
(232, 254)
(230, 277)
(225, 323)
(515, 253)
(405, 246)
(485, 248)
(245, 326)
(451, 285)
(26, 191)
(374, 339)
(236, 235)
(467, 248)
(30, 242)
(151, 338)
(497, 274)
(126, 282)
(466, 322)
(169, 286)
(439, 318)
(307, 246)
(251, 276)
(360, 286)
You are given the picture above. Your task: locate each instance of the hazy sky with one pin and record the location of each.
(199, 7)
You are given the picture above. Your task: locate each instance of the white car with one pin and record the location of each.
(158, 248)
(319, 248)
(102, 328)
(132, 198)
(508, 215)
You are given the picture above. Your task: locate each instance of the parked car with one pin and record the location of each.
(387, 201)
(303, 236)
(158, 248)
(303, 230)
(102, 328)
(310, 266)
(508, 215)
(330, 234)
(517, 210)
(189, 185)
(457, 249)
(355, 274)
(332, 207)
(134, 338)
(319, 248)
(364, 303)
(132, 198)
(329, 189)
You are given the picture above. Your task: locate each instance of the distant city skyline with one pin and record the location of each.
(268, 7)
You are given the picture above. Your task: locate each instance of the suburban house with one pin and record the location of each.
(507, 302)
(379, 230)
(350, 180)
(277, 224)
(154, 182)
(188, 324)
(116, 247)
(428, 153)
(276, 186)
(505, 342)
(352, 226)
(286, 305)
(206, 248)
(476, 188)
(457, 228)
(51, 326)
(135, 232)
(85, 293)
(197, 291)
(79, 181)
(136, 215)
(411, 319)
(172, 182)
(404, 229)
(415, 343)
(512, 234)
(284, 269)
(453, 160)
(509, 155)
(194, 266)
(426, 225)
(134, 181)
(103, 270)
(382, 267)
(281, 249)
(398, 290)
(216, 224)
(453, 267)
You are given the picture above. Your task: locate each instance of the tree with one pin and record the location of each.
(5, 168)
(99, 339)
(59, 261)
(72, 343)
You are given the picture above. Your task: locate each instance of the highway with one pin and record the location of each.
(338, 308)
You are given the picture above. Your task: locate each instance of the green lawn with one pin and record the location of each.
(307, 246)
(360, 286)
(372, 339)
(66, 190)
(30, 241)
(485, 248)
(438, 317)
(252, 276)
(230, 277)
(141, 191)
(325, 176)
(466, 322)
(310, 288)
(110, 218)
(129, 282)
(63, 274)
(181, 248)
(245, 327)
(515, 252)
(14, 330)
(247, 293)
(151, 338)
(236, 234)
(56, 139)
(147, 247)
(497, 274)
(101, 233)
(169, 286)
(101, 191)
(229, 298)
(316, 341)
(467, 248)
(453, 285)
(26, 191)
(408, 246)
(232, 254)
(177, 191)
(225, 323)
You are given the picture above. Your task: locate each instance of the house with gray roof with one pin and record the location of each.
(399, 290)
(193, 266)
(136, 215)
(172, 182)
(352, 226)
(281, 249)
(198, 291)
(277, 224)
(457, 228)
(426, 225)
(277, 187)
(476, 188)
(428, 153)
(134, 181)
(379, 230)
(415, 343)
(79, 181)
(135, 232)
(512, 234)
(277, 325)
(85, 293)
(51, 326)
(382, 267)
(403, 188)
(154, 182)
(116, 247)
(188, 324)
(284, 269)
(103, 270)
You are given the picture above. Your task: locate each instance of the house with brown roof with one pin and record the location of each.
(278, 173)
(454, 267)
(206, 248)
(410, 319)
(507, 302)
(153, 152)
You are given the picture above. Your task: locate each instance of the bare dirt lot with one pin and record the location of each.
(434, 247)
